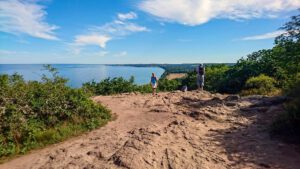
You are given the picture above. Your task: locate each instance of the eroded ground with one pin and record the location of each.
(174, 130)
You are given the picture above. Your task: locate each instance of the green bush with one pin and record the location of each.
(287, 49)
(34, 114)
(261, 85)
(190, 80)
(111, 86)
(215, 77)
(287, 124)
(146, 88)
(120, 85)
(168, 85)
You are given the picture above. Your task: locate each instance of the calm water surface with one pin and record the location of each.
(78, 74)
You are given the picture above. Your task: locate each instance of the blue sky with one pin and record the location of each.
(138, 31)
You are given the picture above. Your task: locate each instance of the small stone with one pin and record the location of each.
(264, 165)
(232, 98)
(230, 104)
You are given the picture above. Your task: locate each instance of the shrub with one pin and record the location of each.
(110, 86)
(146, 88)
(262, 85)
(120, 85)
(168, 85)
(35, 114)
(215, 76)
(287, 124)
(213, 79)
(190, 80)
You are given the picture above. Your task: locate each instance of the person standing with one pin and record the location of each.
(153, 82)
(200, 76)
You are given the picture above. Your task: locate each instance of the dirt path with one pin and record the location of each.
(174, 130)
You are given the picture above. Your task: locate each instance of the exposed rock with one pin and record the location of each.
(232, 98)
(230, 104)
(195, 130)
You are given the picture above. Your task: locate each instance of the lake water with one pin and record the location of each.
(81, 73)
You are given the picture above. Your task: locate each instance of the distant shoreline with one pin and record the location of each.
(131, 64)
(168, 68)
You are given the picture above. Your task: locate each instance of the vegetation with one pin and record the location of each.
(111, 86)
(266, 72)
(287, 124)
(173, 68)
(281, 63)
(260, 85)
(120, 85)
(169, 85)
(34, 114)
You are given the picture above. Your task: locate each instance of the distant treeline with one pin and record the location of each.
(173, 68)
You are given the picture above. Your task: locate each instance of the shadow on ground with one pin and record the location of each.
(250, 144)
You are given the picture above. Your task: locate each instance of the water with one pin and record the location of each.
(81, 73)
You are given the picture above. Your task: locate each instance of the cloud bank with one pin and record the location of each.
(25, 17)
(196, 12)
(100, 35)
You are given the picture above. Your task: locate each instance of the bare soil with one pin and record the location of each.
(172, 76)
(174, 130)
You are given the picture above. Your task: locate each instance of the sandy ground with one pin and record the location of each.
(174, 130)
(172, 76)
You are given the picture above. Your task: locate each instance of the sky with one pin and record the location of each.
(138, 31)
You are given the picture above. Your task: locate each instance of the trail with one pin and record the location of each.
(174, 130)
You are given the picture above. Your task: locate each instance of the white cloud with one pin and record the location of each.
(119, 28)
(6, 52)
(123, 53)
(100, 35)
(25, 17)
(269, 35)
(102, 53)
(92, 39)
(96, 54)
(126, 16)
(195, 12)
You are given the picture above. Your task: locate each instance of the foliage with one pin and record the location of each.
(260, 62)
(260, 85)
(168, 85)
(190, 80)
(34, 114)
(120, 85)
(146, 88)
(282, 62)
(287, 124)
(110, 86)
(215, 77)
(288, 48)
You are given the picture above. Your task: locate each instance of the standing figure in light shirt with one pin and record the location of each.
(154, 83)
